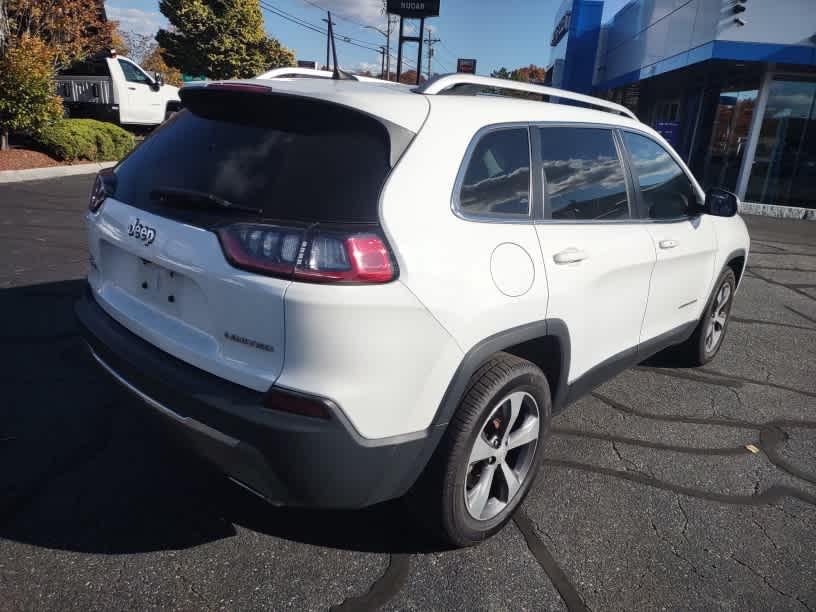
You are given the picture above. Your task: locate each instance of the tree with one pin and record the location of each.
(27, 98)
(72, 28)
(501, 73)
(220, 39)
(154, 62)
(529, 74)
(4, 26)
(409, 77)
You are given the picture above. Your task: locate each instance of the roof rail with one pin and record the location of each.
(315, 73)
(445, 82)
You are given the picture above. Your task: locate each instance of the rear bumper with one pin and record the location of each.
(288, 459)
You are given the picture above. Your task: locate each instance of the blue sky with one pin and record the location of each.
(497, 33)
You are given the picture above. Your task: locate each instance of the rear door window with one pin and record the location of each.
(497, 180)
(583, 175)
(293, 159)
(666, 191)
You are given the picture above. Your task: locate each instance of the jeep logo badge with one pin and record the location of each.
(142, 232)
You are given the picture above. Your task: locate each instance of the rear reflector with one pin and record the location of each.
(320, 256)
(295, 403)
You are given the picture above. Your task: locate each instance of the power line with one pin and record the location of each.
(363, 44)
(336, 14)
(450, 53)
(312, 26)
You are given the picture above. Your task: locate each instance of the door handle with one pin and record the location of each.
(668, 244)
(570, 255)
(132, 88)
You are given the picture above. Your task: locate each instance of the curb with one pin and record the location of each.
(775, 210)
(35, 174)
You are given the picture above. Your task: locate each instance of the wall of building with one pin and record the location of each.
(579, 43)
(650, 37)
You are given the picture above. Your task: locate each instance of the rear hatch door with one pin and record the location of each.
(233, 156)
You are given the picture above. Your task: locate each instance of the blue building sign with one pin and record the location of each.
(574, 43)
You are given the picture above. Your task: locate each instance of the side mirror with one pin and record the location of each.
(158, 80)
(720, 203)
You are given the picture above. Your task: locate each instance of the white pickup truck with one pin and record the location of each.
(115, 88)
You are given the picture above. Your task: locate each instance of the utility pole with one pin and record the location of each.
(387, 46)
(431, 42)
(382, 63)
(329, 25)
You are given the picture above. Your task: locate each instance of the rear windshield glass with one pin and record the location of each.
(293, 159)
(92, 67)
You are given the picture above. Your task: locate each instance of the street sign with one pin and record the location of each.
(414, 8)
(467, 66)
(187, 78)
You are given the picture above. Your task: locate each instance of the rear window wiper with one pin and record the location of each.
(177, 195)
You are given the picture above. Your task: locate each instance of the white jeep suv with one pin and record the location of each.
(343, 292)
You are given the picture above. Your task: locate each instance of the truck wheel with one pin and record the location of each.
(708, 336)
(490, 453)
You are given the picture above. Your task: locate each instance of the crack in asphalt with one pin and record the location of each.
(383, 589)
(725, 451)
(747, 321)
(722, 380)
(771, 243)
(795, 287)
(765, 532)
(675, 552)
(790, 253)
(777, 268)
(771, 494)
(771, 435)
(768, 582)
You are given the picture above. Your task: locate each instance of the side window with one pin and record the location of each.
(497, 179)
(666, 190)
(132, 73)
(583, 174)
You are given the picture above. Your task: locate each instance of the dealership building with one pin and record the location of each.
(730, 83)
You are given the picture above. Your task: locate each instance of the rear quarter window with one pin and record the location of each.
(496, 182)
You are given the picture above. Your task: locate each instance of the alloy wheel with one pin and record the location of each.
(717, 318)
(502, 455)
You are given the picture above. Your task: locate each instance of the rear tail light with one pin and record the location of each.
(104, 186)
(323, 256)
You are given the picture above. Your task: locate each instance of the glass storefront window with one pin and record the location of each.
(729, 135)
(784, 169)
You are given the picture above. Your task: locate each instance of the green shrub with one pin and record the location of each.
(72, 139)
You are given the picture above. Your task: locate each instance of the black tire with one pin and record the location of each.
(697, 351)
(439, 496)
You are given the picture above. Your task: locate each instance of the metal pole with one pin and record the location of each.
(430, 52)
(431, 42)
(328, 39)
(399, 50)
(388, 47)
(753, 134)
(382, 62)
(419, 53)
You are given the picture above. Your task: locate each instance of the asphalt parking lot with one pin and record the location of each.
(649, 498)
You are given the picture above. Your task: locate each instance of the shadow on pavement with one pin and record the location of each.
(84, 468)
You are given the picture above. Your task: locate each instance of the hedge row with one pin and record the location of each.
(72, 139)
